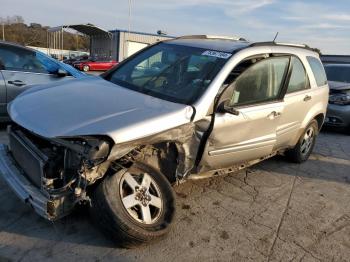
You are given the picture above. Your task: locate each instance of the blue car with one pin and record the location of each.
(22, 67)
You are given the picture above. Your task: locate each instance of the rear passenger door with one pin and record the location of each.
(298, 101)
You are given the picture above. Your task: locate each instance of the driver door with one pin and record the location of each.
(249, 131)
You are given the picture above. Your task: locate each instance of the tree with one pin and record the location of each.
(36, 35)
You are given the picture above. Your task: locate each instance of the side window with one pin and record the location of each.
(261, 82)
(298, 80)
(20, 59)
(317, 70)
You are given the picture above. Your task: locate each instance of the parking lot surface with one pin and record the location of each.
(274, 211)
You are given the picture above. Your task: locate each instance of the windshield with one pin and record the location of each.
(338, 73)
(172, 72)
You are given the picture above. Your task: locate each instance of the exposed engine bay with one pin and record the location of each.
(61, 168)
(64, 168)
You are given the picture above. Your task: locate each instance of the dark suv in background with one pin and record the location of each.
(338, 112)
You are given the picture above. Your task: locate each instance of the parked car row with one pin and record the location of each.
(72, 60)
(187, 108)
(86, 63)
(94, 65)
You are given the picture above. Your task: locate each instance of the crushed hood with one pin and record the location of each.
(95, 107)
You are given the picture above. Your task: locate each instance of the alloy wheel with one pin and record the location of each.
(141, 197)
(307, 141)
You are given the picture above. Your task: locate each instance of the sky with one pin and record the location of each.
(321, 24)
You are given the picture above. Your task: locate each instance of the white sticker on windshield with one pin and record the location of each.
(217, 54)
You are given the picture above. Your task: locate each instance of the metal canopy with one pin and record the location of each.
(87, 29)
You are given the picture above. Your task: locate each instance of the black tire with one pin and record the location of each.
(109, 212)
(297, 154)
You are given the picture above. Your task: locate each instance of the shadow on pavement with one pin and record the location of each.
(18, 219)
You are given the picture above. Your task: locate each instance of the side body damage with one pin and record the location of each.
(69, 168)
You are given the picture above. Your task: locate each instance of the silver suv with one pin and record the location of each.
(187, 108)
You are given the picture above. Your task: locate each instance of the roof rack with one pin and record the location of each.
(304, 46)
(234, 38)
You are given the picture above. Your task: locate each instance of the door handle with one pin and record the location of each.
(307, 98)
(16, 82)
(274, 115)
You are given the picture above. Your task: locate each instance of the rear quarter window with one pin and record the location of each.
(317, 70)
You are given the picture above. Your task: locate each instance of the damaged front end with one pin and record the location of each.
(52, 175)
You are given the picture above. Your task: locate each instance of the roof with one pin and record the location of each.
(9, 43)
(87, 29)
(273, 43)
(218, 44)
(339, 59)
(337, 65)
(16, 45)
(140, 33)
(229, 44)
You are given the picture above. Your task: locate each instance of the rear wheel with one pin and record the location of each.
(134, 206)
(303, 149)
(86, 68)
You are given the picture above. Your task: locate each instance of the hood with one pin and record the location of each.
(94, 106)
(339, 86)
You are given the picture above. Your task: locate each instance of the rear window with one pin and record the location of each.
(317, 70)
(298, 79)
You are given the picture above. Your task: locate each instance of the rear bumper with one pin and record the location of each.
(338, 116)
(49, 207)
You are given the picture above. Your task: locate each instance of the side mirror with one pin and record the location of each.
(61, 72)
(225, 107)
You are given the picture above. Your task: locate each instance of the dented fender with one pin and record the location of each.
(186, 138)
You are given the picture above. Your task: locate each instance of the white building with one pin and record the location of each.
(115, 44)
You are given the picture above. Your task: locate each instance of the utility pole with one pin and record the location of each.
(129, 27)
(3, 30)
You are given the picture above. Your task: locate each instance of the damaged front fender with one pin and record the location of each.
(184, 137)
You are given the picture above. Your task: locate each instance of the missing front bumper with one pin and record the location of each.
(49, 207)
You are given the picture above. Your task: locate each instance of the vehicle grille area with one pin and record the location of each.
(27, 156)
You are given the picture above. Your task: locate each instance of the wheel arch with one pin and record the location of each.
(320, 120)
(174, 150)
(162, 156)
(316, 112)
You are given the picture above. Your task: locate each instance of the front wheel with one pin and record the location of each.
(86, 68)
(134, 206)
(303, 149)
